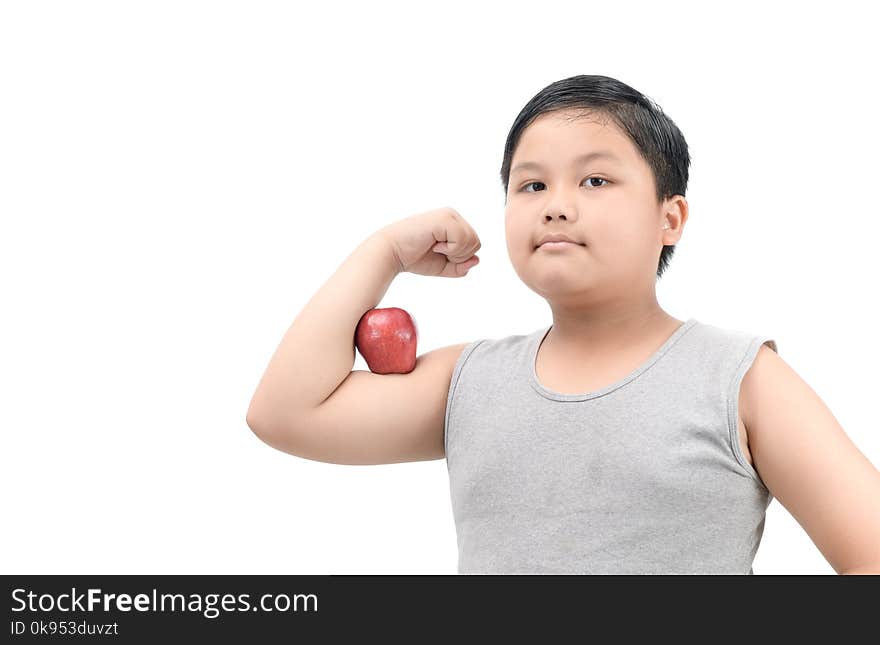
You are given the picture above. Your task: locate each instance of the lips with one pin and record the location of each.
(558, 245)
(557, 240)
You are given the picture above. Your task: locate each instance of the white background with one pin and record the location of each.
(178, 178)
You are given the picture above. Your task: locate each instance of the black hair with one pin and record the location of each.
(657, 138)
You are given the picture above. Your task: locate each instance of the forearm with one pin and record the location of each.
(862, 571)
(317, 352)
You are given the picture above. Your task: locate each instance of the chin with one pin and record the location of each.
(557, 283)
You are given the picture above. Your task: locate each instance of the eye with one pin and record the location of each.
(532, 183)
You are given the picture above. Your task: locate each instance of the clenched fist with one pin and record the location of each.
(437, 242)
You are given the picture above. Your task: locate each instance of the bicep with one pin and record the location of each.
(382, 418)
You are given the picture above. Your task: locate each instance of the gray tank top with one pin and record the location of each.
(644, 476)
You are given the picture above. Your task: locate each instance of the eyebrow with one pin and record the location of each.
(598, 154)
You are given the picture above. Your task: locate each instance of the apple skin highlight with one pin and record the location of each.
(387, 339)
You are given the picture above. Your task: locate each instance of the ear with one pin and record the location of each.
(675, 214)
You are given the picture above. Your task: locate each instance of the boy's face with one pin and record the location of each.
(618, 220)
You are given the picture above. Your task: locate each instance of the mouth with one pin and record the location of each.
(558, 245)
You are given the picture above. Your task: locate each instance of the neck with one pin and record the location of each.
(610, 329)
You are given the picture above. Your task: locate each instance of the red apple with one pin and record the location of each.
(387, 338)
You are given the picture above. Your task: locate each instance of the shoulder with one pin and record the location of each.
(490, 355)
(501, 346)
(741, 359)
(720, 339)
(738, 348)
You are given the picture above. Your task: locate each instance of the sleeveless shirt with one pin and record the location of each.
(643, 476)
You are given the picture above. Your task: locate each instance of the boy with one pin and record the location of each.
(619, 439)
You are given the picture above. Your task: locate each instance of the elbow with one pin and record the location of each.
(261, 429)
(257, 417)
(256, 422)
(268, 429)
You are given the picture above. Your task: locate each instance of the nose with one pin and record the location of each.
(567, 214)
(561, 206)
